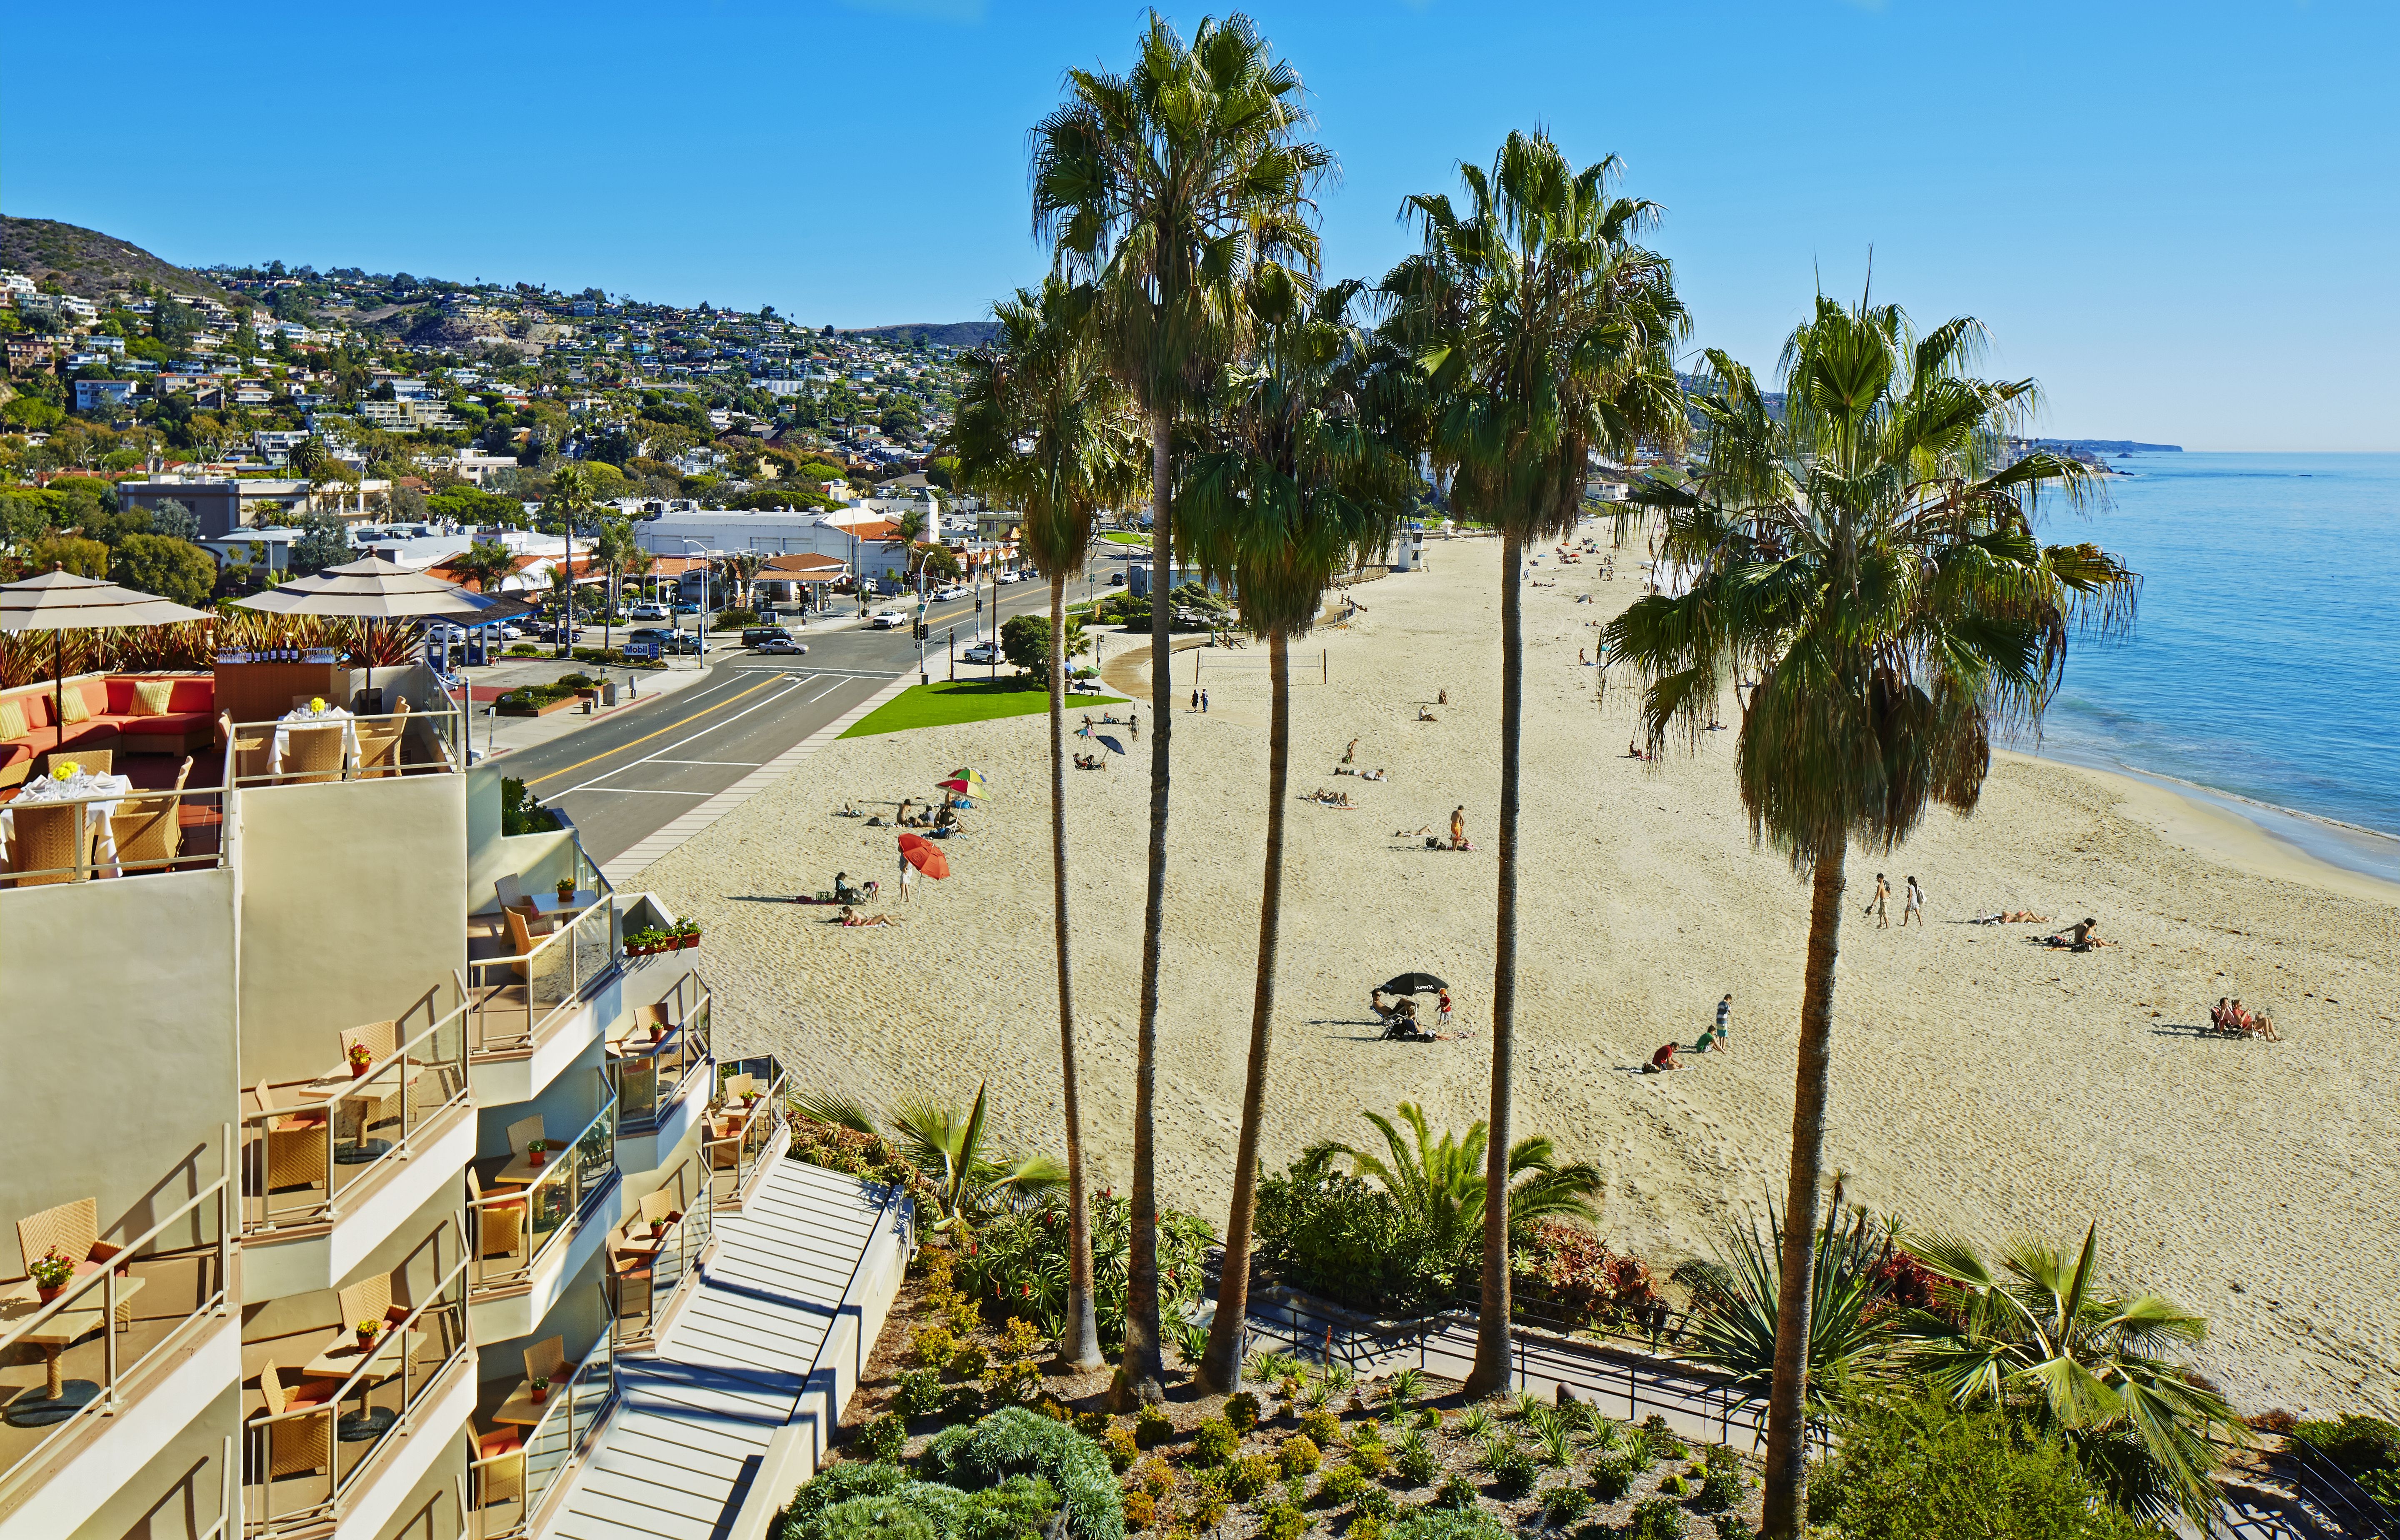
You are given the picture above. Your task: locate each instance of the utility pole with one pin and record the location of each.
(953, 649)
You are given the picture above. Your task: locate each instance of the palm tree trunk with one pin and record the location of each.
(1140, 1371)
(1220, 1365)
(1787, 1428)
(1079, 1345)
(1491, 1336)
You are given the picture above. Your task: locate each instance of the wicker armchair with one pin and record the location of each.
(372, 1299)
(301, 1444)
(148, 831)
(313, 754)
(53, 843)
(500, 1225)
(92, 761)
(378, 752)
(295, 1145)
(73, 1230)
(547, 1360)
(499, 1467)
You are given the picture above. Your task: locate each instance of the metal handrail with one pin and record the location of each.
(594, 1146)
(84, 868)
(109, 1402)
(679, 1249)
(675, 1059)
(337, 1486)
(550, 1445)
(573, 936)
(442, 726)
(413, 1053)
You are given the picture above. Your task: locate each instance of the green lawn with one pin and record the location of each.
(1123, 536)
(967, 700)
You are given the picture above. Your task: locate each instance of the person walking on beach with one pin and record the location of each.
(1445, 1010)
(1204, 703)
(1133, 724)
(1914, 907)
(1458, 827)
(1196, 698)
(1725, 1020)
(907, 881)
(1876, 905)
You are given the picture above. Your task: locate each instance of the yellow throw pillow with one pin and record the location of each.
(76, 707)
(150, 696)
(12, 720)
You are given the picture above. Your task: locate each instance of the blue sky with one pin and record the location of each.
(2181, 219)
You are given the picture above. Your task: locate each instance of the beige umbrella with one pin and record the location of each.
(371, 590)
(61, 602)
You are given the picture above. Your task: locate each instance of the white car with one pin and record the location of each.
(888, 620)
(952, 590)
(982, 652)
(650, 612)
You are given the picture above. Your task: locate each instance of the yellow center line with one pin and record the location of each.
(620, 748)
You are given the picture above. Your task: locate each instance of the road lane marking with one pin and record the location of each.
(648, 735)
(773, 699)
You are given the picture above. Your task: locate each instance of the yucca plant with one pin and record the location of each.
(1474, 1423)
(1736, 1297)
(1404, 1386)
(948, 1146)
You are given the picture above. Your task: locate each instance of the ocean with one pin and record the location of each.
(2264, 666)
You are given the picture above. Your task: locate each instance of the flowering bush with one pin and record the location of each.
(1018, 1261)
(856, 1154)
(1566, 1273)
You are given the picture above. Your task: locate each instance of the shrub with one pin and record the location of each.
(1659, 1518)
(2365, 1446)
(1093, 1425)
(1121, 1448)
(1733, 1526)
(1139, 1510)
(1612, 1478)
(1431, 1417)
(1242, 1411)
(1249, 1475)
(1660, 1440)
(1675, 1485)
(1155, 1476)
(1053, 1407)
(1512, 1468)
(1720, 1485)
(1020, 1338)
(968, 1361)
(966, 1315)
(1214, 1442)
(1457, 1492)
(1924, 1467)
(1466, 1525)
(1474, 1423)
(1298, 1455)
(919, 1394)
(1015, 1443)
(1366, 1526)
(960, 1403)
(1374, 1459)
(1152, 1426)
(1208, 1506)
(885, 1437)
(935, 1346)
(1414, 1459)
(1321, 1428)
(855, 1501)
(1564, 1505)
(936, 1265)
(1010, 1384)
(1341, 1484)
(1283, 1523)
(1376, 1503)
(1348, 1240)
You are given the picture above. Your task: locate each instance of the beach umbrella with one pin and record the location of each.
(1413, 984)
(966, 782)
(924, 855)
(61, 602)
(371, 590)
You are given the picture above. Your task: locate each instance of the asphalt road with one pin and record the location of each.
(631, 772)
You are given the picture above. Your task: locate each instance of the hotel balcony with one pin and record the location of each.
(656, 1060)
(134, 1342)
(337, 1154)
(352, 1397)
(655, 1257)
(746, 1129)
(545, 966)
(535, 1220)
(528, 1439)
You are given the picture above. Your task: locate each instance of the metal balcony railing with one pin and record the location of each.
(510, 1231)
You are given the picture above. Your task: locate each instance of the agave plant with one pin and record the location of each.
(2037, 1334)
(948, 1146)
(1404, 1386)
(1736, 1295)
(1474, 1423)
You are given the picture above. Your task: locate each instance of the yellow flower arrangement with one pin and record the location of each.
(316, 706)
(64, 770)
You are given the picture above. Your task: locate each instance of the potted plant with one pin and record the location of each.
(686, 934)
(539, 1387)
(567, 890)
(361, 1059)
(534, 1152)
(368, 1331)
(50, 1272)
(657, 1228)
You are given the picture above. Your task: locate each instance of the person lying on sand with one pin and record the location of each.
(2080, 937)
(2010, 917)
(1422, 831)
(848, 811)
(851, 918)
(1375, 774)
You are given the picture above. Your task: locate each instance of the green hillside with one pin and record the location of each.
(86, 262)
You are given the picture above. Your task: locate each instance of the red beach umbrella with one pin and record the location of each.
(924, 855)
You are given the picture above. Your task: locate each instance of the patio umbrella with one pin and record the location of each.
(924, 855)
(1413, 984)
(371, 590)
(61, 602)
(966, 783)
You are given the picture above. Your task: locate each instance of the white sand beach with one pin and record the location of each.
(1981, 1083)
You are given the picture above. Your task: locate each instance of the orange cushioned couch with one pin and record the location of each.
(187, 725)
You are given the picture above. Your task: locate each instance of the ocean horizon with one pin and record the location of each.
(2264, 661)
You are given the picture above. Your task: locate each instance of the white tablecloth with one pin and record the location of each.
(109, 788)
(302, 716)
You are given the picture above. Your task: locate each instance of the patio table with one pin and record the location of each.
(303, 718)
(340, 1358)
(60, 1398)
(361, 1094)
(42, 788)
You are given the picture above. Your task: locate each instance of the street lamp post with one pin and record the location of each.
(705, 573)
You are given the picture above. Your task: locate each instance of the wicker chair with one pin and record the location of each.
(313, 754)
(303, 1443)
(253, 753)
(90, 761)
(73, 1230)
(378, 752)
(52, 843)
(182, 772)
(295, 1145)
(500, 1225)
(547, 1360)
(499, 1467)
(523, 1130)
(148, 832)
(371, 1298)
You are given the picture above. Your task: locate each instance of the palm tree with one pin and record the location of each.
(484, 564)
(1041, 421)
(1867, 556)
(742, 570)
(970, 1183)
(1440, 1183)
(907, 531)
(1165, 187)
(2036, 1335)
(1542, 333)
(1293, 487)
(613, 547)
(570, 499)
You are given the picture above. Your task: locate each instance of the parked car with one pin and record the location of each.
(667, 642)
(784, 646)
(650, 612)
(1115, 578)
(889, 619)
(753, 636)
(688, 607)
(982, 652)
(548, 632)
(950, 591)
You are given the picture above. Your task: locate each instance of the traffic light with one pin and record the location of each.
(920, 630)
